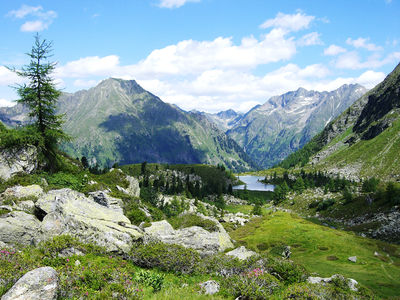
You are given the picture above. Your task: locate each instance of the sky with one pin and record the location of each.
(208, 55)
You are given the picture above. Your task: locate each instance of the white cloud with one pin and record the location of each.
(310, 39)
(34, 26)
(42, 19)
(89, 66)
(8, 77)
(363, 43)
(352, 60)
(370, 78)
(174, 3)
(334, 50)
(80, 83)
(295, 22)
(6, 103)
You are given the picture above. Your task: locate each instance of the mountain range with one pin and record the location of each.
(363, 141)
(119, 121)
(270, 132)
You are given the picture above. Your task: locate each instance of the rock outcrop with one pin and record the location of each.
(194, 237)
(351, 283)
(30, 191)
(18, 227)
(70, 212)
(38, 284)
(17, 161)
(241, 253)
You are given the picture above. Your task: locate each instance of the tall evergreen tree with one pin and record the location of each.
(40, 96)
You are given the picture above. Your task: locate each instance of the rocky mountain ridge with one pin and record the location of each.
(270, 132)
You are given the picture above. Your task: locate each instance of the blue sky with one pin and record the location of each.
(208, 55)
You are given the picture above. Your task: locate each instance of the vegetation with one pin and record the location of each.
(314, 245)
(40, 97)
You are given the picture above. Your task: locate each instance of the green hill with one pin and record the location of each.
(363, 141)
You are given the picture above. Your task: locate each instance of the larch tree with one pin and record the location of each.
(40, 96)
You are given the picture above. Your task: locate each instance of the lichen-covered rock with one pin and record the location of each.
(38, 284)
(102, 198)
(351, 283)
(26, 206)
(30, 191)
(70, 212)
(18, 227)
(210, 287)
(133, 188)
(194, 237)
(13, 161)
(241, 253)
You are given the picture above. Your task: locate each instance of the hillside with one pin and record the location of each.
(363, 141)
(119, 121)
(270, 132)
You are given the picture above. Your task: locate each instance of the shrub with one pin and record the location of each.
(325, 204)
(173, 258)
(136, 215)
(255, 284)
(154, 280)
(286, 270)
(370, 185)
(188, 220)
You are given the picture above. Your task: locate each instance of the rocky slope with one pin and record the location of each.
(270, 132)
(119, 121)
(224, 120)
(364, 140)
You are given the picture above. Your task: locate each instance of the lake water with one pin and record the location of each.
(253, 184)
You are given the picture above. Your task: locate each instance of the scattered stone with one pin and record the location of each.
(67, 252)
(286, 252)
(210, 287)
(24, 191)
(194, 237)
(92, 182)
(353, 259)
(352, 284)
(17, 161)
(376, 253)
(241, 253)
(38, 284)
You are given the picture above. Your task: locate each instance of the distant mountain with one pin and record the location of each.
(119, 121)
(270, 132)
(224, 120)
(364, 140)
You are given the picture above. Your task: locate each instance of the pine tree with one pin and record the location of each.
(40, 96)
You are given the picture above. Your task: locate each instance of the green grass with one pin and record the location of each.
(314, 246)
(379, 156)
(246, 209)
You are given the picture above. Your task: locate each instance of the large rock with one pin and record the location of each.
(17, 161)
(241, 253)
(133, 188)
(351, 283)
(210, 287)
(102, 198)
(31, 191)
(194, 237)
(38, 284)
(18, 227)
(69, 212)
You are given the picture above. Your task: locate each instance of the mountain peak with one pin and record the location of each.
(129, 86)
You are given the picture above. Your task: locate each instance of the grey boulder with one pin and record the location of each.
(38, 284)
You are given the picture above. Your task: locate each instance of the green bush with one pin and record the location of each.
(325, 204)
(135, 214)
(20, 137)
(188, 220)
(173, 258)
(154, 280)
(255, 284)
(66, 180)
(286, 270)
